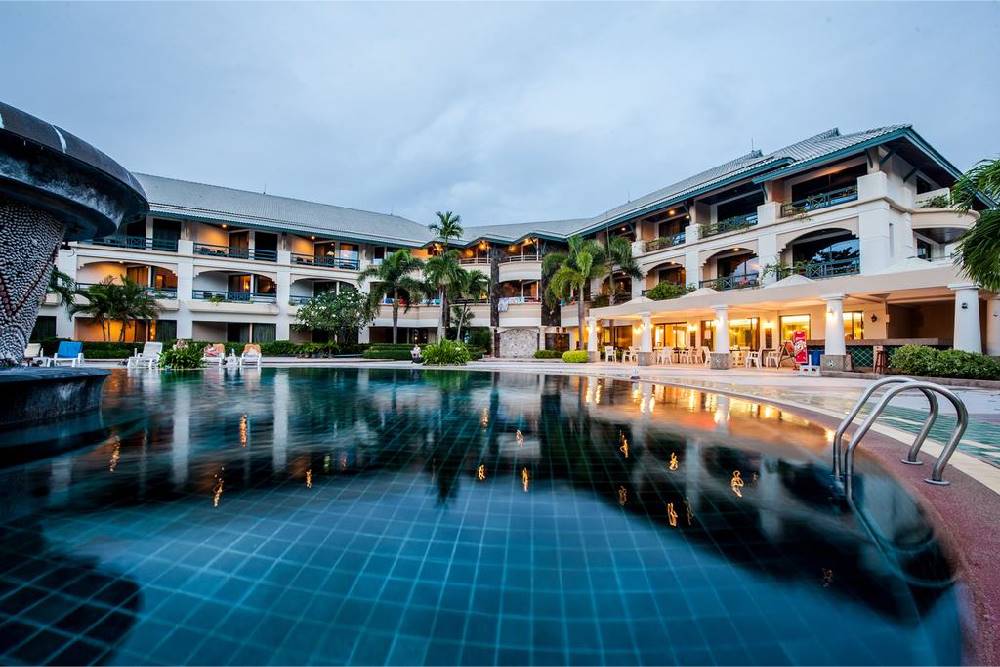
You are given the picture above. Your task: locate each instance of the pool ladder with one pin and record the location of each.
(931, 391)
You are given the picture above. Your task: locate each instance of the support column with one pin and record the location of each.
(993, 325)
(966, 336)
(592, 339)
(835, 347)
(720, 352)
(185, 284)
(646, 340)
(283, 290)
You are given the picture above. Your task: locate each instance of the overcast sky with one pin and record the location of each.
(503, 113)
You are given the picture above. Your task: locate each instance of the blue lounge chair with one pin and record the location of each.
(69, 352)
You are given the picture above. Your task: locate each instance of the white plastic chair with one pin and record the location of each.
(753, 358)
(609, 353)
(706, 355)
(772, 357)
(630, 354)
(33, 353)
(665, 355)
(251, 355)
(149, 357)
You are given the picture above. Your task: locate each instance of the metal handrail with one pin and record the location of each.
(838, 436)
(936, 474)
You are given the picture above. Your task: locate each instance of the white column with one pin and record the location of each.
(692, 267)
(185, 284)
(874, 229)
(592, 338)
(721, 343)
(834, 338)
(993, 325)
(283, 290)
(966, 336)
(66, 263)
(645, 339)
(767, 253)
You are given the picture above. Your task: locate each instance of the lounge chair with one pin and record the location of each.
(69, 352)
(214, 354)
(251, 355)
(149, 357)
(416, 356)
(33, 353)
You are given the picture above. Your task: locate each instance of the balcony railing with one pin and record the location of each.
(157, 292)
(238, 297)
(521, 258)
(819, 270)
(729, 224)
(822, 200)
(666, 242)
(726, 283)
(328, 261)
(135, 243)
(475, 260)
(297, 300)
(258, 254)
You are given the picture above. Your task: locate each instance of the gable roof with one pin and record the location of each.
(171, 197)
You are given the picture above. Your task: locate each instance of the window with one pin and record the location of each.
(708, 333)
(826, 248)
(789, 324)
(349, 253)
(744, 333)
(854, 325)
(163, 330)
(163, 279)
(829, 182)
(166, 233)
(240, 283)
(674, 275)
(670, 335)
(263, 333)
(738, 207)
(45, 328)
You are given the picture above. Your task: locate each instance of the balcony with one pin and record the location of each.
(820, 201)
(726, 283)
(234, 297)
(134, 243)
(666, 242)
(730, 224)
(326, 261)
(236, 253)
(474, 260)
(820, 270)
(297, 300)
(156, 292)
(521, 258)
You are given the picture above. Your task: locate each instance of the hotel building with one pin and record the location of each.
(847, 237)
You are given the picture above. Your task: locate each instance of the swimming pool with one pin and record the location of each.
(451, 517)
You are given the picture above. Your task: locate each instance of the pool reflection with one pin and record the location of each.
(698, 495)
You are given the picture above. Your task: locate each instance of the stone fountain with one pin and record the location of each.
(54, 187)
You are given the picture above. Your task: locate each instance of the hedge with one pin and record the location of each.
(401, 351)
(548, 354)
(930, 362)
(276, 348)
(575, 356)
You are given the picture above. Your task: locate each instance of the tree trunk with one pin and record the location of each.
(395, 313)
(579, 318)
(440, 331)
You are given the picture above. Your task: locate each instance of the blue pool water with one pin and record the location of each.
(394, 516)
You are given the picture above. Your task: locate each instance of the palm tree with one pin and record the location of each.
(64, 286)
(444, 274)
(101, 304)
(618, 260)
(135, 304)
(447, 227)
(979, 248)
(472, 286)
(571, 272)
(394, 278)
(109, 302)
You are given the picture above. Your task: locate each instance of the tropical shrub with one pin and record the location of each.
(446, 353)
(395, 351)
(927, 361)
(575, 356)
(280, 348)
(548, 354)
(178, 358)
(667, 291)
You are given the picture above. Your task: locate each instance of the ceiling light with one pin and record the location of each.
(671, 211)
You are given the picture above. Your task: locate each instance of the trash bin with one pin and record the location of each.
(814, 357)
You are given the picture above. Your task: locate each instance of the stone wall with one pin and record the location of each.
(29, 239)
(518, 342)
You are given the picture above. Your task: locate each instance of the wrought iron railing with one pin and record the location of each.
(819, 270)
(666, 242)
(157, 292)
(238, 297)
(729, 224)
(135, 243)
(328, 261)
(257, 254)
(821, 200)
(725, 283)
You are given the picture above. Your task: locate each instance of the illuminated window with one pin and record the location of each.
(744, 333)
(854, 325)
(789, 324)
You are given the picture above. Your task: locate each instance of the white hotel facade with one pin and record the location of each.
(845, 236)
